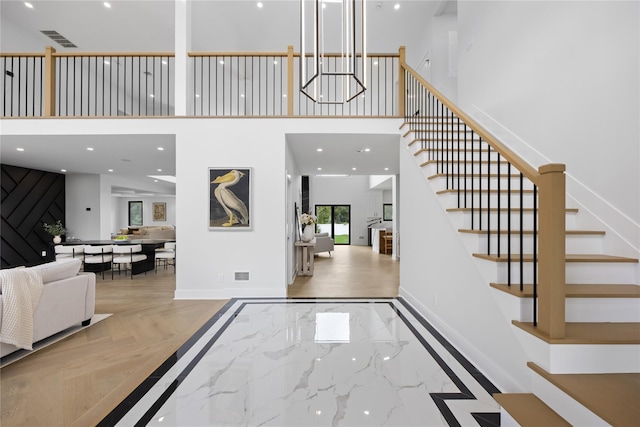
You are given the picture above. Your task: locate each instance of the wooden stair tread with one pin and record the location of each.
(475, 161)
(476, 190)
(589, 332)
(569, 232)
(612, 397)
(576, 290)
(568, 258)
(568, 210)
(475, 175)
(529, 411)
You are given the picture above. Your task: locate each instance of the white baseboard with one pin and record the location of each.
(228, 293)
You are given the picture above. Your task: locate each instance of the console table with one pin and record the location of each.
(305, 257)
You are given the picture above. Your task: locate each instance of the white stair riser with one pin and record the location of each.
(601, 273)
(564, 405)
(433, 168)
(580, 358)
(452, 157)
(463, 220)
(575, 272)
(452, 200)
(576, 309)
(443, 183)
(574, 244)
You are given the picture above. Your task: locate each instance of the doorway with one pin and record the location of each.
(335, 220)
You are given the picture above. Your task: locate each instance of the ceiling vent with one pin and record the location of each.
(58, 38)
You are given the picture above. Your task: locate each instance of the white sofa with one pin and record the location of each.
(67, 299)
(324, 243)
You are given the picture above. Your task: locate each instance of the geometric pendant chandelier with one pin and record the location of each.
(333, 50)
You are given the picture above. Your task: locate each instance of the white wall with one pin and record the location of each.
(83, 208)
(122, 211)
(440, 71)
(558, 82)
(439, 277)
(293, 190)
(208, 259)
(344, 191)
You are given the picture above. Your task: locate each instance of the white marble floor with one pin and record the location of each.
(277, 362)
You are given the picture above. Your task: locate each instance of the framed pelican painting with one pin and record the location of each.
(230, 199)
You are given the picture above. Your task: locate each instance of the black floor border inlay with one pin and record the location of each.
(484, 419)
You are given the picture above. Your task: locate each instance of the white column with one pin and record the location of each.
(182, 36)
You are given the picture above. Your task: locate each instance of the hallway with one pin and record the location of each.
(350, 272)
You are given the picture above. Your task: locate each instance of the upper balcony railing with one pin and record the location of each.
(220, 84)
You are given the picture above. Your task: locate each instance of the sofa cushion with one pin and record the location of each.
(322, 234)
(59, 269)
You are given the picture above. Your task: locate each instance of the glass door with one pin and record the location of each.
(335, 220)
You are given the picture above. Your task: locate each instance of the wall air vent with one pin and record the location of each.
(241, 276)
(58, 38)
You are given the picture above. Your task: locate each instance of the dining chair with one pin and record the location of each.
(127, 255)
(165, 255)
(98, 258)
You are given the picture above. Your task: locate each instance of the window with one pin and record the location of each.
(387, 212)
(135, 213)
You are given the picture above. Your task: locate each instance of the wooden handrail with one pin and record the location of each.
(113, 54)
(524, 167)
(23, 55)
(550, 181)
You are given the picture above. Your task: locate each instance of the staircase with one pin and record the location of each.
(585, 364)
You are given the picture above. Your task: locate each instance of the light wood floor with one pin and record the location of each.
(351, 271)
(79, 380)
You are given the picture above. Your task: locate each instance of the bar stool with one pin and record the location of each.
(97, 258)
(165, 255)
(387, 238)
(127, 254)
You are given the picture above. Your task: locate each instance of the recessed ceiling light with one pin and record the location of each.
(318, 149)
(160, 148)
(106, 62)
(242, 95)
(275, 62)
(221, 62)
(319, 169)
(107, 5)
(396, 6)
(159, 170)
(29, 5)
(367, 149)
(386, 169)
(284, 95)
(259, 4)
(89, 148)
(151, 95)
(164, 62)
(110, 170)
(63, 170)
(353, 169)
(375, 62)
(20, 149)
(366, 412)
(155, 180)
(197, 96)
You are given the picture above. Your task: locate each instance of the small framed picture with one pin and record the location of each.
(159, 211)
(230, 198)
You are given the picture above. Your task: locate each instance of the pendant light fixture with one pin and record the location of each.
(332, 50)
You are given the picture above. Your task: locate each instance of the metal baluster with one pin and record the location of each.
(521, 235)
(489, 200)
(535, 255)
(509, 224)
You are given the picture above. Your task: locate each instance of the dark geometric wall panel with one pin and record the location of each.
(29, 199)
